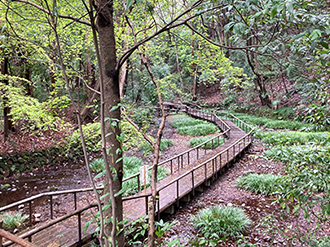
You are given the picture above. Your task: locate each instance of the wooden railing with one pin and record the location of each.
(217, 162)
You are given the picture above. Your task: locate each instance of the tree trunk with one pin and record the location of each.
(178, 68)
(8, 125)
(110, 98)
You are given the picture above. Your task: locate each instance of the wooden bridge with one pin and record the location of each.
(190, 171)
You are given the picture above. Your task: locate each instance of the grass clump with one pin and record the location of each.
(265, 184)
(193, 127)
(221, 221)
(272, 123)
(12, 220)
(198, 130)
(196, 141)
(293, 138)
(164, 144)
(131, 166)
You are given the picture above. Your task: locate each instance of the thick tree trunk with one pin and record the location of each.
(110, 98)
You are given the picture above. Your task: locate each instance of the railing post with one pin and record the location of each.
(193, 182)
(171, 167)
(79, 230)
(181, 161)
(158, 211)
(51, 207)
(227, 155)
(188, 158)
(30, 213)
(75, 200)
(138, 182)
(177, 193)
(146, 204)
(197, 153)
(1, 236)
(205, 173)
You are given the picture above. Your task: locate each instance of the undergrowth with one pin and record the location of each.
(293, 138)
(265, 184)
(131, 166)
(220, 221)
(13, 220)
(186, 125)
(216, 142)
(148, 148)
(272, 123)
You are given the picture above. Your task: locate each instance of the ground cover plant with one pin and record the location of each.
(220, 221)
(12, 220)
(193, 127)
(131, 166)
(272, 123)
(265, 184)
(293, 138)
(148, 148)
(197, 141)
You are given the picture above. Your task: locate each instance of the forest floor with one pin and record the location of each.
(271, 226)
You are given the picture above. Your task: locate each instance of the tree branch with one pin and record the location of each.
(48, 12)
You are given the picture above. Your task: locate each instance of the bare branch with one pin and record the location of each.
(60, 15)
(148, 139)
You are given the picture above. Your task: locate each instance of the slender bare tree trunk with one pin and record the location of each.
(8, 125)
(178, 67)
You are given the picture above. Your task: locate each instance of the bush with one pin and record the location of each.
(196, 141)
(13, 220)
(218, 221)
(92, 135)
(164, 144)
(265, 184)
(131, 166)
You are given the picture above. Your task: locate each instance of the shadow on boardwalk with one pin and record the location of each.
(188, 176)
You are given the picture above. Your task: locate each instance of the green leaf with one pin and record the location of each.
(105, 207)
(99, 175)
(274, 12)
(129, 3)
(315, 34)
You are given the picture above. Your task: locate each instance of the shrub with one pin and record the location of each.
(92, 135)
(164, 144)
(196, 141)
(131, 166)
(13, 220)
(265, 184)
(218, 221)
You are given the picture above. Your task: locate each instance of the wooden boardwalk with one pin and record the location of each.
(180, 185)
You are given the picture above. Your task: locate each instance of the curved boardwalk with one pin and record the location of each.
(188, 178)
